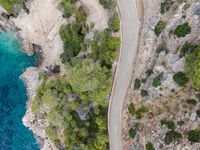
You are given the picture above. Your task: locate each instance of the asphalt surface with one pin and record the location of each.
(129, 35)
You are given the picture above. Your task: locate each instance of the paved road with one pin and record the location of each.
(130, 36)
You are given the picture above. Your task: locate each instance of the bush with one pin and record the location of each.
(131, 108)
(194, 136)
(161, 48)
(144, 93)
(160, 26)
(182, 30)
(198, 113)
(165, 6)
(35, 106)
(169, 123)
(106, 3)
(114, 23)
(149, 146)
(171, 136)
(191, 101)
(157, 80)
(137, 84)
(149, 72)
(56, 69)
(8, 4)
(180, 78)
(140, 111)
(192, 64)
(186, 48)
(132, 133)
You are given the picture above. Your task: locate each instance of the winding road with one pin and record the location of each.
(130, 37)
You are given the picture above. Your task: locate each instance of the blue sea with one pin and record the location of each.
(13, 134)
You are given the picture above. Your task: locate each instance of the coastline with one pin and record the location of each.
(29, 45)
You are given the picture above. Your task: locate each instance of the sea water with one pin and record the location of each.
(13, 134)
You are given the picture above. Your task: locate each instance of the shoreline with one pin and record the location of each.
(30, 76)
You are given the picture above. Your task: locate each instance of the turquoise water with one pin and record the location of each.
(13, 134)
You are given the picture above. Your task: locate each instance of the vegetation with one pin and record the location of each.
(137, 84)
(186, 48)
(192, 64)
(182, 30)
(149, 72)
(8, 4)
(165, 6)
(169, 123)
(131, 108)
(132, 133)
(140, 112)
(85, 88)
(161, 48)
(198, 113)
(114, 23)
(194, 136)
(157, 80)
(149, 146)
(107, 3)
(191, 101)
(144, 93)
(56, 69)
(171, 136)
(180, 78)
(160, 26)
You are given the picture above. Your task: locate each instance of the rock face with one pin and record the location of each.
(167, 100)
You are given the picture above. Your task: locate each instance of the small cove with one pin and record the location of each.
(13, 134)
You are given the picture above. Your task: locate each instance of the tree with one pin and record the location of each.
(132, 133)
(87, 76)
(193, 67)
(149, 146)
(137, 84)
(194, 136)
(170, 136)
(114, 23)
(160, 26)
(182, 30)
(157, 80)
(180, 78)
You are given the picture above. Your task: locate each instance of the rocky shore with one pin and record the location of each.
(36, 27)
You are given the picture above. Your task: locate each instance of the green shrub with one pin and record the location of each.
(169, 123)
(157, 80)
(8, 4)
(194, 136)
(140, 111)
(56, 69)
(35, 106)
(131, 108)
(191, 101)
(149, 72)
(114, 23)
(161, 48)
(180, 78)
(106, 3)
(171, 136)
(137, 84)
(182, 30)
(144, 93)
(165, 6)
(198, 113)
(160, 26)
(51, 132)
(186, 48)
(193, 69)
(149, 146)
(132, 133)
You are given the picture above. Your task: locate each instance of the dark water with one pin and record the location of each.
(13, 134)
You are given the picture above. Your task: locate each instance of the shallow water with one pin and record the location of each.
(13, 134)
